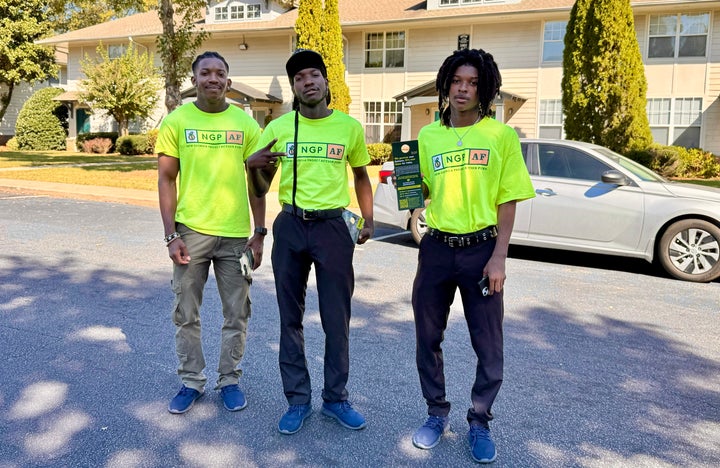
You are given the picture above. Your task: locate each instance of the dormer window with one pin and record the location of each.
(234, 11)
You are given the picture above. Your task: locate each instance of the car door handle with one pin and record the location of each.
(545, 192)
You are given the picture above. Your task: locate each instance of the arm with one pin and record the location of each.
(495, 267)
(261, 167)
(168, 169)
(255, 243)
(363, 191)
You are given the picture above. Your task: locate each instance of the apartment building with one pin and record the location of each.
(392, 50)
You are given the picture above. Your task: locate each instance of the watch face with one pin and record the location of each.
(261, 230)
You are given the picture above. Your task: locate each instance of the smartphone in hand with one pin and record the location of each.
(484, 285)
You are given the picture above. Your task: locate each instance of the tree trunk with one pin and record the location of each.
(5, 98)
(170, 59)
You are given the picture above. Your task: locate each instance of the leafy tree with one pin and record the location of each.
(22, 22)
(603, 81)
(332, 50)
(178, 43)
(319, 29)
(126, 87)
(42, 122)
(69, 15)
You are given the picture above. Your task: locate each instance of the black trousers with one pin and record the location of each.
(326, 244)
(441, 271)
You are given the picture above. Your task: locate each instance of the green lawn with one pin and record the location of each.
(134, 172)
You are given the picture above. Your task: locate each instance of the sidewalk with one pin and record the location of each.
(147, 198)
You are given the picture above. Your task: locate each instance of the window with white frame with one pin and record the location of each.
(385, 50)
(675, 121)
(116, 51)
(550, 119)
(383, 121)
(221, 13)
(554, 41)
(683, 35)
(237, 11)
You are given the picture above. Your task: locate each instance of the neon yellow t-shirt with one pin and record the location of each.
(326, 146)
(212, 149)
(467, 183)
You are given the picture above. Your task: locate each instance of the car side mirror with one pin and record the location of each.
(614, 177)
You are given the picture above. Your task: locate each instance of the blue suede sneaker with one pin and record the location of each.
(292, 420)
(344, 413)
(428, 436)
(482, 447)
(233, 398)
(184, 400)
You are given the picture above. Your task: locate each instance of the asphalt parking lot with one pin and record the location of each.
(608, 362)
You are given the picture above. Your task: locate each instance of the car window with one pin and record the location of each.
(526, 157)
(562, 161)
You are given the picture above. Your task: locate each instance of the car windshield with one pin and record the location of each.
(637, 169)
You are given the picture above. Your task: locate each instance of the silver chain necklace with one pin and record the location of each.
(460, 138)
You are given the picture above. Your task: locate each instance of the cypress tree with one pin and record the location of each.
(603, 82)
(307, 25)
(332, 52)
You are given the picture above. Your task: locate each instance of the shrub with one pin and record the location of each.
(677, 161)
(132, 144)
(12, 144)
(97, 146)
(152, 139)
(42, 122)
(379, 152)
(83, 137)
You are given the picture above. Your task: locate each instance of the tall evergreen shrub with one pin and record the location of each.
(603, 84)
(42, 122)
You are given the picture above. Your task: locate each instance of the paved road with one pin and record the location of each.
(606, 365)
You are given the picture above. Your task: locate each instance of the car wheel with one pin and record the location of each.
(690, 250)
(418, 226)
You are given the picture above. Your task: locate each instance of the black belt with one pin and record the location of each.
(309, 215)
(464, 240)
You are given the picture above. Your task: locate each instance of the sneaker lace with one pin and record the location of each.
(436, 423)
(186, 391)
(344, 407)
(296, 409)
(479, 432)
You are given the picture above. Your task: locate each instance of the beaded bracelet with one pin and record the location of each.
(171, 237)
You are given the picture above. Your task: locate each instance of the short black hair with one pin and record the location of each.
(489, 80)
(209, 54)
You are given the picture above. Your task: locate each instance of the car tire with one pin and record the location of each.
(418, 226)
(690, 250)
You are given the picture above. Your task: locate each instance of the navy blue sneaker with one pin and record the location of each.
(344, 413)
(428, 436)
(184, 400)
(233, 398)
(482, 447)
(292, 420)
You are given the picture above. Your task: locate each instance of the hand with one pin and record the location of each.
(256, 245)
(366, 232)
(495, 271)
(264, 158)
(178, 252)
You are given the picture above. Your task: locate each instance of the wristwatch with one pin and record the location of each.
(261, 230)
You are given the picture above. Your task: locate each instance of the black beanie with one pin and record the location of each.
(302, 59)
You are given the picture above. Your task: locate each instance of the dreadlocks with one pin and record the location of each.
(489, 80)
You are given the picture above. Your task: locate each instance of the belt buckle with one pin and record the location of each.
(309, 215)
(452, 239)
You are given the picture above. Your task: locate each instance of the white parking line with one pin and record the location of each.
(402, 233)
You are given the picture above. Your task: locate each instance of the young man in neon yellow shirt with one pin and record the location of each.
(202, 148)
(310, 231)
(474, 174)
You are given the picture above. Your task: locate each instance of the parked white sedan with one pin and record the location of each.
(591, 199)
